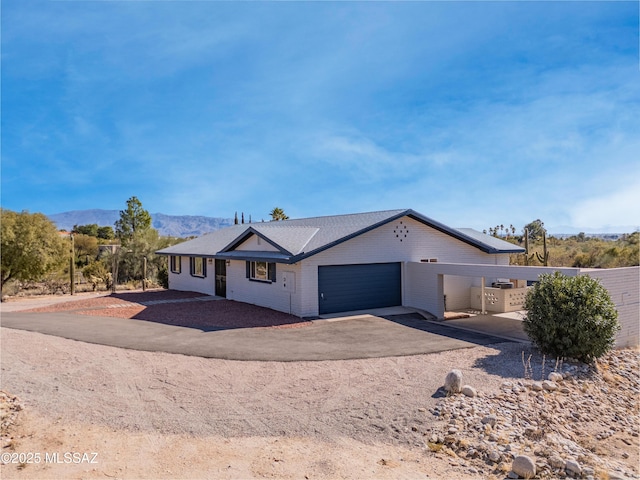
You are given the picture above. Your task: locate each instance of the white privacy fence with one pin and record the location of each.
(426, 288)
(623, 285)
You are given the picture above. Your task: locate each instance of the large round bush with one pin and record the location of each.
(571, 317)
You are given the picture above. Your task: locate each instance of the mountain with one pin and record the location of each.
(187, 225)
(167, 225)
(608, 229)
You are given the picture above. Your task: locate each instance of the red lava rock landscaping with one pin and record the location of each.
(202, 312)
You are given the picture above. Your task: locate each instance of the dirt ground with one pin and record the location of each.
(92, 411)
(156, 415)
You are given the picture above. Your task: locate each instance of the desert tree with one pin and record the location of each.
(86, 249)
(90, 229)
(31, 246)
(536, 230)
(138, 241)
(106, 233)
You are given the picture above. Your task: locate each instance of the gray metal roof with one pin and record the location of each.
(301, 238)
(207, 245)
(491, 241)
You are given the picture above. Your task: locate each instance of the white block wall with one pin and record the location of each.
(186, 283)
(270, 295)
(623, 285)
(456, 289)
(424, 289)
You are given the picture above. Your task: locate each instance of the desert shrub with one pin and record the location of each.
(97, 274)
(571, 317)
(163, 276)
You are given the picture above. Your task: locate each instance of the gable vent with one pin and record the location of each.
(401, 231)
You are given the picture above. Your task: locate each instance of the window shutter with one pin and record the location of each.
(248, 269)
(272, 272)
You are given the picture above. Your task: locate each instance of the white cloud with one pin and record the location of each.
(364, 160)
(618, 208)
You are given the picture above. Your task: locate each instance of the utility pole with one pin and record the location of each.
(72, 266)
(114, 268)
(144, 274)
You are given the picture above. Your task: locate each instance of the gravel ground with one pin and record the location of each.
(187, 309)
(159, 415)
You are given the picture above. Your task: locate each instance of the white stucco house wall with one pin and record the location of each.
(321, 265)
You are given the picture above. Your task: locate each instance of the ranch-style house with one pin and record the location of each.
(314, 266)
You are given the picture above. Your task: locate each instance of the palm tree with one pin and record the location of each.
(278, 214)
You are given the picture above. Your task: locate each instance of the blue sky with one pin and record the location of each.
(472, 113)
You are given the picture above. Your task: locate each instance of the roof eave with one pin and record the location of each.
(497, 251)
(254, 256)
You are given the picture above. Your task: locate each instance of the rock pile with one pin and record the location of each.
(10, 406)
(560, 427)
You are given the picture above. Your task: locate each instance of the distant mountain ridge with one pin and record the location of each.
(609, 229)
(167, 225)
(195, 226)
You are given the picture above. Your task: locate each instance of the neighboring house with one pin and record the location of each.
(313, 266)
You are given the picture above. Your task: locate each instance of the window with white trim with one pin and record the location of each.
(176, 263)
(198, 267)
(261, 271)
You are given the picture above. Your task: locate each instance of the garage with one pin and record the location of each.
(342, 288)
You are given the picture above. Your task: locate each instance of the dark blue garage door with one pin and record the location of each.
(357, 287)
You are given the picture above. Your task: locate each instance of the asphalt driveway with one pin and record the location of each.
(216, 335)
(364, 337)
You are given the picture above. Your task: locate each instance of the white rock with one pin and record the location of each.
(524, 466)
(573, 467)
(490, 419)
(453, 381)
(536, 386)
(556, 461)
(549, 385)
(469, 391)
(555, 377)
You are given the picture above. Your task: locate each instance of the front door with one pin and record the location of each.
(221, 278)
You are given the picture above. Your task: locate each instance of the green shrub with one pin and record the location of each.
(163, 276)
(571, 317)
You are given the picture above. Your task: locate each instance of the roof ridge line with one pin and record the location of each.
(397, 210)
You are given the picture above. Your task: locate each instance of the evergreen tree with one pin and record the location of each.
(133, 220)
